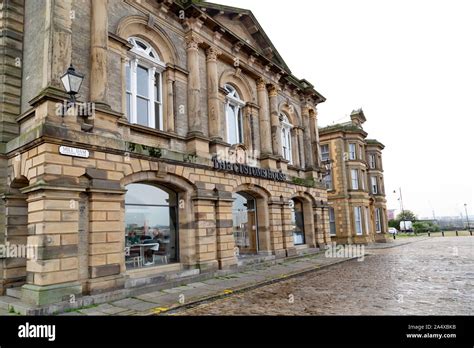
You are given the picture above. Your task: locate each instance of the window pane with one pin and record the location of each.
(355, 179)
(157, 88)
(147, 195)
(240, 125)
(244, 219)
(231, 125)
(352, 152)
(297, 221)
(142, 111)
(357, 218)
(142, 82)
(151, 230)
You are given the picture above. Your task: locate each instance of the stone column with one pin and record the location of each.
(99, 40)
(301, 147)
(320, 221)
(13, 270)
(170, 125)
(276, 228)
(53, 225)
(288, 240)
(225, 237)
(194, 87)
(313, 125)
(11, 26)
(275, 121)
(309, 226)
(307, 139)
(215, 131)
(106, 237)
(295, 147)
(264, 119)
(206, 239)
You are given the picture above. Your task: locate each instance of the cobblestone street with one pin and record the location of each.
(429, 277)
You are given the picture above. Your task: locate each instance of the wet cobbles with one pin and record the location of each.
(429, 277)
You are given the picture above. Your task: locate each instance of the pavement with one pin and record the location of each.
(192, 294)
(418, 276)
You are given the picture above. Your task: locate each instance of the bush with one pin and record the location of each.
(423, 227)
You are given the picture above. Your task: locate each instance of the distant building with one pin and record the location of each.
(391, 214)
(356, 190)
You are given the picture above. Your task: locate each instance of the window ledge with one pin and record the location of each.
(151, 131)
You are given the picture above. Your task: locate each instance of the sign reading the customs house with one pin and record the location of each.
(243, 169)
(73, 152)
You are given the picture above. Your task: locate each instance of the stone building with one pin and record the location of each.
(356, 192)
(191, 145)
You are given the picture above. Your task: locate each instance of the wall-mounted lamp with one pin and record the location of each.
(72, 82)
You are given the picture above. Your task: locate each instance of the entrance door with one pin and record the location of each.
(244, 213)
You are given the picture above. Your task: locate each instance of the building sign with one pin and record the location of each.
(74, 152)
(243, 169)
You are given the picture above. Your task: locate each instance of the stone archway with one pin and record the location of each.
(309, 218)
(260, 197)
(184, 193)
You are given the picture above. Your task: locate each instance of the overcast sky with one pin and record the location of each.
(409, 65)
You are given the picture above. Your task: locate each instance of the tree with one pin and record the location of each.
(406, 215)
(395, 224)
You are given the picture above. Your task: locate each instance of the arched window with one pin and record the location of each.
(286, 128)
(151, 226)
(234, 120)
(144, 85)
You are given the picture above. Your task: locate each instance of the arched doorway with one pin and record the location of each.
(151, 226)
(297, 222)
(245, 226)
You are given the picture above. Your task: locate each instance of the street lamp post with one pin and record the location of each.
(467, 218)
(400, 198)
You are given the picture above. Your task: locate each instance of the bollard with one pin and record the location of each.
(394, 236)
(442, 233)
(429, 234)
(457, 234)
(470, 231)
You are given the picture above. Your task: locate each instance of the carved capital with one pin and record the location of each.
(192, 42)
(212, 54)
(314, 113)
(273, 91)
(261, 84)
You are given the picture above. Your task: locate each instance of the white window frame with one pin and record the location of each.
(355, 179)
(148, 59)
(362, 179)
(372, 161)
(233, 100)
(287, 148)
(374, 185)
(378, 221)
(358, 220)
(332, 221)
(325, 155)
(352, 151)
(361, 152)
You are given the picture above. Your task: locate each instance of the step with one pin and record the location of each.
(14, 292)
(10, 303)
